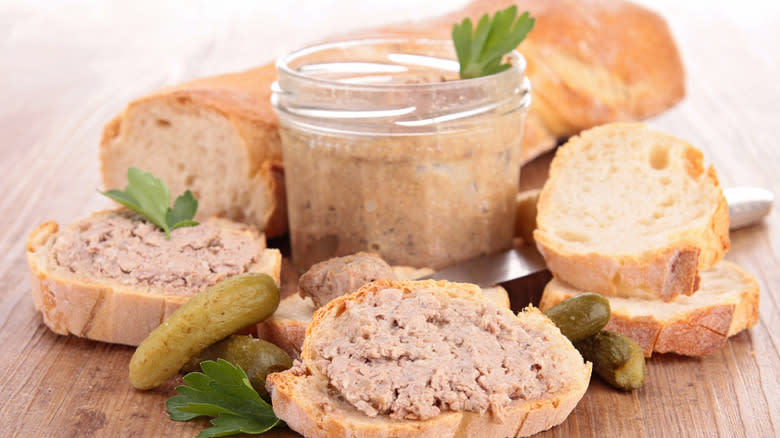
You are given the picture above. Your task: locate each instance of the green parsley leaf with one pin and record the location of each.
(481, 50)
(222, 391)
(150, 197)
(151, 194)
(122, 198)
(183, 211)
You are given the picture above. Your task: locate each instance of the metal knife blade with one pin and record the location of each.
(747, 205)
(494, 268)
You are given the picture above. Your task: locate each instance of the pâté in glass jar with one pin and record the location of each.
(387, 150)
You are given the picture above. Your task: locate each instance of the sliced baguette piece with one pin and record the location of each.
(216, 136)
(111, 309)
(695, 325)
(525, 215)
(310, 404)
(287, 326)
(628, 211)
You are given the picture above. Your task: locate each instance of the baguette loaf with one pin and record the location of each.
(589, 63)
(113, 277)
(628, 211)
(216, 136)
(287, 326)
(696, 325)
(416, 355)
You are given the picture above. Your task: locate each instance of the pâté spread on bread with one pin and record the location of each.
(125, 248)
(428, 359)
(117, 274)
(414, 357)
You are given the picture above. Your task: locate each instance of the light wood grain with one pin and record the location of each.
(67, 69)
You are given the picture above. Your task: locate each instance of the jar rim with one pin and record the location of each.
(516, 60)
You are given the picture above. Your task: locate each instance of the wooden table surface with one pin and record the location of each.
(68, 68)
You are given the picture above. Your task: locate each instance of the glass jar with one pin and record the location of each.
(387, 150)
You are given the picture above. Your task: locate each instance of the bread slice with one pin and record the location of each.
(115, 309)
(216, 136)
(311, 403)
(525, 215)
(287, 326)
(696, 325)
(628, 211)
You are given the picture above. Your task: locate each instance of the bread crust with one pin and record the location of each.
(587, 72)
(671, 272)
(302, 399)
(104, 311)
(689, 331)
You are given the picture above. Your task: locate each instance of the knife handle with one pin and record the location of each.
(747, 205)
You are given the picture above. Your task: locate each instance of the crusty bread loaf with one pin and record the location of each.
(287, 326)
(696, 325)
(108, 309)
(215, 136)
(306, 400)
(628, 211)
(590, 63)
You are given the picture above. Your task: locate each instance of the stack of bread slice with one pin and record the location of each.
(634, 215)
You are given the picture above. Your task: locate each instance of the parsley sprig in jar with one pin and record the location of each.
(387, 149)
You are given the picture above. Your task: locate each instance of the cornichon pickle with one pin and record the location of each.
(616, 358)
(258, 358)
(580, 316)
(206, 318)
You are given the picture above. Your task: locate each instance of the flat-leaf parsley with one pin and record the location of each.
(150, 197)
(480, 51)
(222, 391)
